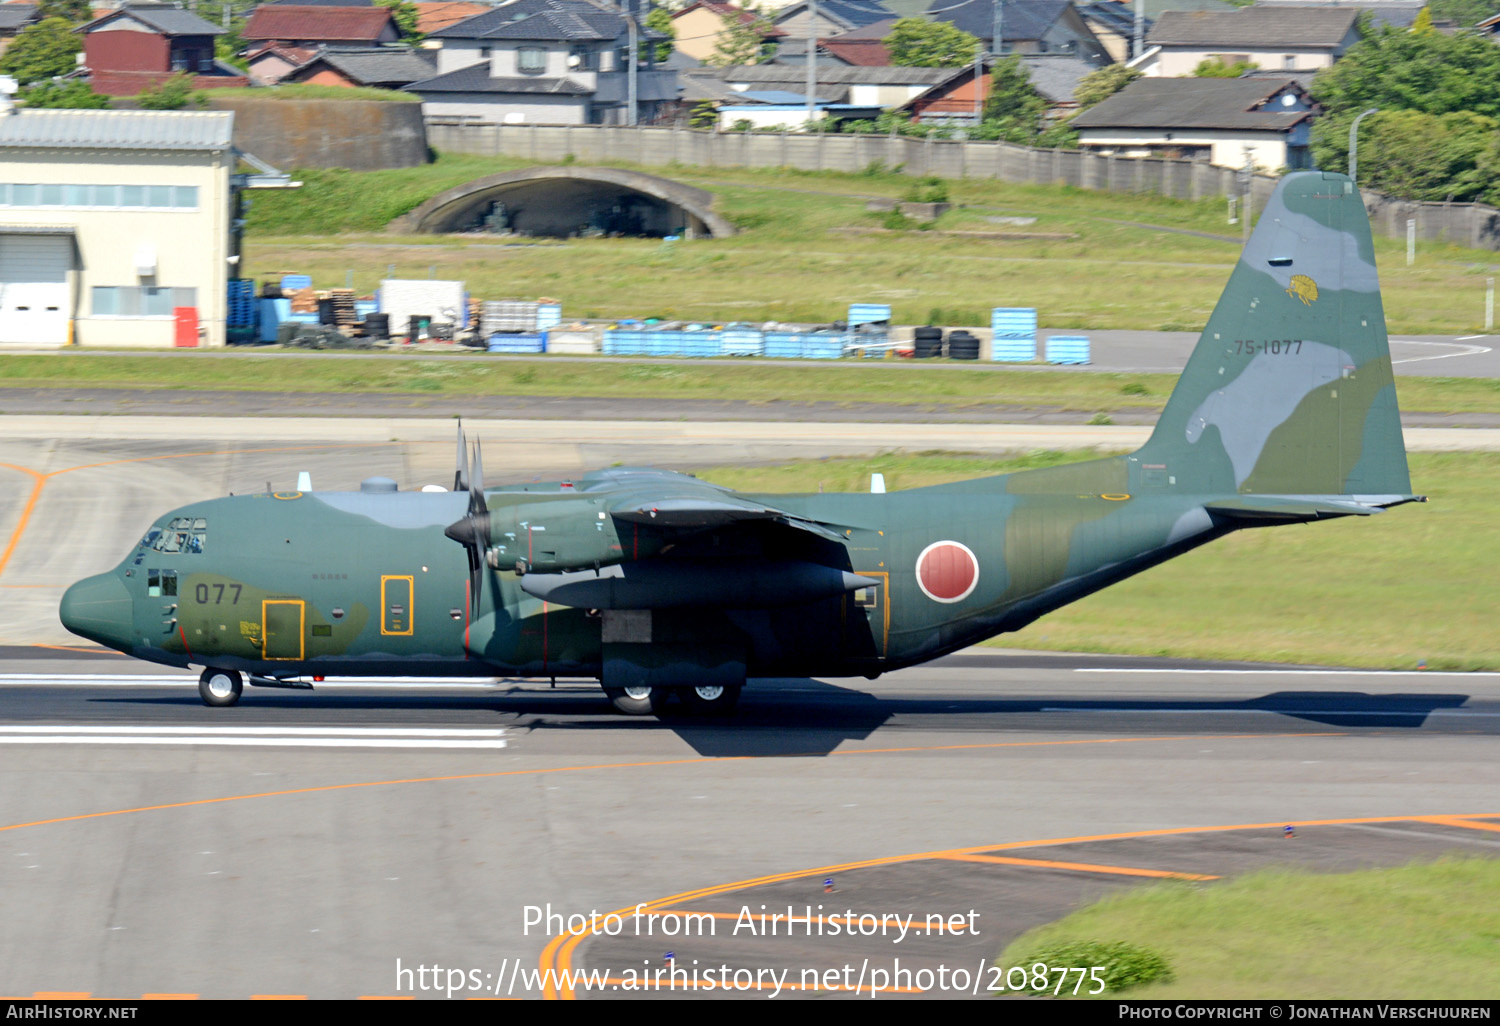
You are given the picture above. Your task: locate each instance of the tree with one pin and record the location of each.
(743, 42)
(1423, 22)
(404, 13)
(1463, 13)
(1098, 86)
(76, 12)
(1415, 155)
(75, 94)
(919, 43)
(660, 20)
(1211, 68)
(48, 48)
(1422, 71)
(170, 94)
(1014, 109)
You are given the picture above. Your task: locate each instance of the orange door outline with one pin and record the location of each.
(411, 601)
(265, 629)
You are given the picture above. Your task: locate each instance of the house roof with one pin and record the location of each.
(575, 20)
(323, 3)
(1273, 25)
(434, 16)
(309, 21)
(1056, 75)
(1160, 103)
(852, 13)
(371, 66)
(295, 55)
(862, 53)
(14, 17)
(476, 79)
(1021, 19)
(767, 74)
(729, 12)
(119, 129)
(168, 19)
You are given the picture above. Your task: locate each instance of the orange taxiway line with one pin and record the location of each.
(559, 951)
(169, 997)
(1080, 867)
(1459, 821)
(38, 482)
(61, 995)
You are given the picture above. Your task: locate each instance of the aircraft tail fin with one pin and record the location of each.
(1289, 390)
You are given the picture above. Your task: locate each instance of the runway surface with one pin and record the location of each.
(141, 854)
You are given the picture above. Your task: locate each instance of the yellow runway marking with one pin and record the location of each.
(1456, 821)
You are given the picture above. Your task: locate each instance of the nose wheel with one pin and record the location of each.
(220, 688)
(710, 699)
(640, 700)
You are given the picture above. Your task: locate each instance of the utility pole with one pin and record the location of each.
(978, 93)
(997, 31)
(812, 59)
(1137, 41)
(633, 111)
(1354, 142)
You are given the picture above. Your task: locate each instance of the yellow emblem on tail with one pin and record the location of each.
(1304, 288)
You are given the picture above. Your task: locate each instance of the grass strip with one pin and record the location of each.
(1421, 931)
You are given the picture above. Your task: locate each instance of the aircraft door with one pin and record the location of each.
(285, 620)
(395, 604)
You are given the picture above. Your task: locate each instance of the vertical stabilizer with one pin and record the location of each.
(1290, 389)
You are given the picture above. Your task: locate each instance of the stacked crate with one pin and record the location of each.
(1014, 331)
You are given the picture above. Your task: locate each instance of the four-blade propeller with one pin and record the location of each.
(473, 531)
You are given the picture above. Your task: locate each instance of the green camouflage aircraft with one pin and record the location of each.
(660, 585)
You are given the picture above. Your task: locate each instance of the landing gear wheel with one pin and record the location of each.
(220, 687)
(711, 699)
(640, 700)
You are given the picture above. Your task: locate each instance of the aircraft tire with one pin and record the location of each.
(644, 701)
(220, 688)
(712, 700)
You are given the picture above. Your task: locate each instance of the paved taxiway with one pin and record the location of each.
(278, 868)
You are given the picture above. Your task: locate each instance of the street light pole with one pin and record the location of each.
(812, 61)
(1354, 142)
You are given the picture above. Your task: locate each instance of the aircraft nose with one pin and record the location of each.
(99, 608)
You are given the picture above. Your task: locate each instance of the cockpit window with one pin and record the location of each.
(183, 534)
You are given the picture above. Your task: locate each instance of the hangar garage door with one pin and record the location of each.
(34, 299)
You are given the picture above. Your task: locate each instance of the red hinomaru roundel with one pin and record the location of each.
(947, 571)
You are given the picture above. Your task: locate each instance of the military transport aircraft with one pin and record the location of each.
(662, 586)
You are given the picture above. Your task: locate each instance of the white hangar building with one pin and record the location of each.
(114, 227)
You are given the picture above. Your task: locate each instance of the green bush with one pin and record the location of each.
(1120, 965)
(927, 190)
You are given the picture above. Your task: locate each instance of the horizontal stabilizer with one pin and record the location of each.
(1284, 508)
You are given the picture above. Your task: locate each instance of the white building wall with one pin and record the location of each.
(1268, 150)
(1181, 63)
(191, 247)
(510, 109)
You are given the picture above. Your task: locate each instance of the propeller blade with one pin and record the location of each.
(461, 463)
(476, 482)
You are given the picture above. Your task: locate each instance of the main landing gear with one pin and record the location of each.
(220, 687)
(704, 700)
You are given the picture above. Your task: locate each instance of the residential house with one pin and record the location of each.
(13, 18)
(434, 16)
(309, 26)
(1054, 75)
(385, 67)
(1026, 26)
(703, 24)
(271, 62)
(1275, 37)
(835, 17)
(547, 62)
(876, 88)
(1225, 121)
(863, 47)
(139, 45)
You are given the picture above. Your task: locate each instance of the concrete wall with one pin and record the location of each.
(362, 135)
(1464, 224)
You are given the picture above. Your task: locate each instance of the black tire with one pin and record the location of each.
(638, 701)
(928, 332)
(710, 700)
(220, 688)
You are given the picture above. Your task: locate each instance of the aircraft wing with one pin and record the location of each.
(670, 500)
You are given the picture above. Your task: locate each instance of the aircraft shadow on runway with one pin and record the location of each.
(806, 718)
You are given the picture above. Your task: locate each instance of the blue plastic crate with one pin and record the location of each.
(741, 342)
(296, 281)
(1014, 330)
(548, 315)
(625, 343)
(525, 342)
(868, 313)
(1068, 349)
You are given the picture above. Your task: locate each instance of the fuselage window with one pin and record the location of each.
(183, 534)
(169, 582)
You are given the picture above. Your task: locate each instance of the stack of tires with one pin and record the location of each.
(377, 325)
(963, 346)
(929, 343)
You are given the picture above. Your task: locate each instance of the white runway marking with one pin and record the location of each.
(1293, 673)
(278, 737)
(1463, 350)
(1273, 712)
(185, 680)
